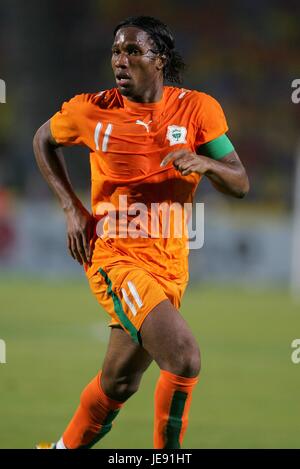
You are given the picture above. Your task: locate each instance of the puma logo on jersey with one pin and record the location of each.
(138, 122)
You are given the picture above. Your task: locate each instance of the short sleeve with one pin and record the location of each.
(211, 121)
(67, 124)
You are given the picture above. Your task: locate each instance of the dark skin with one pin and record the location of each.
(134, 59)
(227, 175)
(138, 70)
(79, 221)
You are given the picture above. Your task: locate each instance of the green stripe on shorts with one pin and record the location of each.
(119, 308)
(217, 148)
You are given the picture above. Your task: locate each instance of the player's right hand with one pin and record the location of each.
(80, 229)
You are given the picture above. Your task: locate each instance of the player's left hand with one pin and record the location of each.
(187, 162)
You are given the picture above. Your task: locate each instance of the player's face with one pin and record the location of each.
(138, 69)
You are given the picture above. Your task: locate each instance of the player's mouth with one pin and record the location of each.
(122, 79)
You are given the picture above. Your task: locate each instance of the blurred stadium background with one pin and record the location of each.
(239, 303)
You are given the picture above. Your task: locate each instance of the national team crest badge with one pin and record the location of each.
(176, 134)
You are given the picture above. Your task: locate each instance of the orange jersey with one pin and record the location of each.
(128, 141)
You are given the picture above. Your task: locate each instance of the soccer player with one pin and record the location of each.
(149, 144)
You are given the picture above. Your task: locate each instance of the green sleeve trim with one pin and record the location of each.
(217, 148)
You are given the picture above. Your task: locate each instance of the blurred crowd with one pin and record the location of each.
(245, 54)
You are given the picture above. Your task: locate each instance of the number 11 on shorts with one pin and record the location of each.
(135, 295)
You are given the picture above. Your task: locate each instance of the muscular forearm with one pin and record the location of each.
(228, 176)
(79, 222)
(51, 163)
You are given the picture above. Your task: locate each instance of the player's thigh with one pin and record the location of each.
(124, 363)
(169, 340)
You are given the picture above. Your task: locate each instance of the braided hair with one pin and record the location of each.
(164, 43)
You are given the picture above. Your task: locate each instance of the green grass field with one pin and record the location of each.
(56, 336)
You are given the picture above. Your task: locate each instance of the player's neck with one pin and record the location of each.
(150, 96)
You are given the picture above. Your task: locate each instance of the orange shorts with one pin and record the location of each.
(128, 293)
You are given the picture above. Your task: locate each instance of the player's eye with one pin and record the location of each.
(115, 51)
(133, 51)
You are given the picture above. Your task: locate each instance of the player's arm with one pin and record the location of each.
(51, 163)
(227, 174)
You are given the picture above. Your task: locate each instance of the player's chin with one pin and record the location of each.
(125, 90)
(125, 87)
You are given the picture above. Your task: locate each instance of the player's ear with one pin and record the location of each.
(161, 62)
